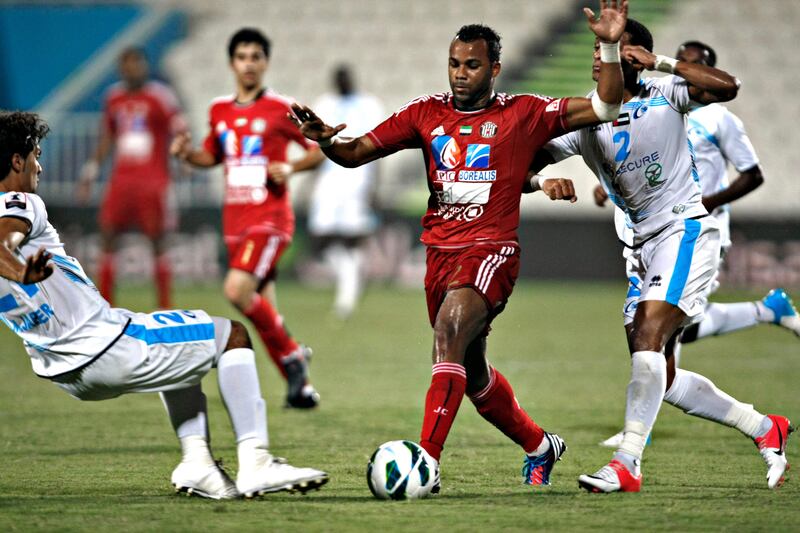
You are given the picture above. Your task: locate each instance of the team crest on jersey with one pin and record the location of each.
(437, 131)
(478, 155)
(239, 122)
(259, 125)
(446, 152)
(488, 130)
(16, 200)
(221, 126)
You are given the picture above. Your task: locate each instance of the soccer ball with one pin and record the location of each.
(400, 470)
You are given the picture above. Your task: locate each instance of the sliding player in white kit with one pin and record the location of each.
(95, 352)
(645, 163)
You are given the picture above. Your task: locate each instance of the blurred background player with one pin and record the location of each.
(94, 352)
(140, 115)
(672, 254)
(473, 141)
(341, 213)
(249, 133)
(718, 138)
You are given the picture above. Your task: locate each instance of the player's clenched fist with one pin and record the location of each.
(559, 189)
(181, 145)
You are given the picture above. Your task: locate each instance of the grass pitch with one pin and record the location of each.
(72, 466)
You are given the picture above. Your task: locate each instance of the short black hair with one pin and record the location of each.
(711, 55)
(248, 35)
(20, 132)
(640, 35)
(133, 51)
(473, 32)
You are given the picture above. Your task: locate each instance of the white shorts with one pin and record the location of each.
(678, 266)
(341, 205)
(161, 351)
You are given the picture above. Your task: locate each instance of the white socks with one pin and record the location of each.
(698, 396)
(644, 395)
(346, 263)
(241, 392)
(724, 318)
(187, 413)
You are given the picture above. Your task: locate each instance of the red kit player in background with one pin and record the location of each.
(250, 133)
(474, 144)
(140, 116)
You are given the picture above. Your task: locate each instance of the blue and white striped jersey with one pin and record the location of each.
(63, 321)
(644, 159)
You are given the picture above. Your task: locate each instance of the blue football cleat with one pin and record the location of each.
(536, 470)
(785, 312)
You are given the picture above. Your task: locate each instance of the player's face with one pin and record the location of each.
(31, 169)
(624, 40)
(134, 70)
(471, 73)
(692, 54)
(249, 65)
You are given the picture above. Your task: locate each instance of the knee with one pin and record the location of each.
(236, 293)
(239, 337)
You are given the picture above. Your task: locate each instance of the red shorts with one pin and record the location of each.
(130, 204)
(257, 251)
(490, 269)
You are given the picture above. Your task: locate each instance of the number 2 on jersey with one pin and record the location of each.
(625, 138)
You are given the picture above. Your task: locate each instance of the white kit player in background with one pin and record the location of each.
(645, 164)
(718, 138)
(341, 212)
(95, 352)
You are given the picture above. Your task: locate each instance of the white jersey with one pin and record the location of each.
(63, 321)
(341, 200)
(643, 159)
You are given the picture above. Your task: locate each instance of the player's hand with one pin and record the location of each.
(600, 196)
(610, 25)
(639, 57)
(181, 145)
(311, 125)
(37, 268)
(279, 172)
(559, 189)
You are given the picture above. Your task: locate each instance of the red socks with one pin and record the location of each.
(497, 404)
(447, 388)
(106, 274)
(271, 330)
(163, 275)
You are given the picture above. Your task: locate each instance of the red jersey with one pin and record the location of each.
(246, 138)
(476, 162)
(141, 123)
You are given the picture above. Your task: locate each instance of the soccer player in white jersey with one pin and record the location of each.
(93, 352)
(718, 138)
(645, 163)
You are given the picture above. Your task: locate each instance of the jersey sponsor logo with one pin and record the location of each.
(446, 152)
(461, 213)
(488, 130)
(477, 175)
(16, 200)
(230, 142)
(653, 174)
(478, 155)
(464, 193)
(446, 175)
(437, 131)
(252, 145)
(642, 162)
(30, 320)
(259, 125)
(639, 112)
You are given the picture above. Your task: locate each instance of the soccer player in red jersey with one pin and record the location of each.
(140, 116)
(474, 142)
(250, 134)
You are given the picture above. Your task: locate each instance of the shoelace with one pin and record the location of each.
(607, 474)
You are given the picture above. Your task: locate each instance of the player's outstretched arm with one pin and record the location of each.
(181, 147)
(12, 232)
(605, 104)
(748, 181)
(706, 84)
(347, 153)
(554, 188)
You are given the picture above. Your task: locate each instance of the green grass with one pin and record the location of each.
(71, 466)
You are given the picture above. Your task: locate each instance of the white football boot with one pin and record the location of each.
(772, 447)
(204, 479)
(273, 474)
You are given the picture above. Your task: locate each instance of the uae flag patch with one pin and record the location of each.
(623, 120)
(465, 130)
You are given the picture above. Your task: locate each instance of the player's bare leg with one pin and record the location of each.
(107, 268)
(242, 290)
